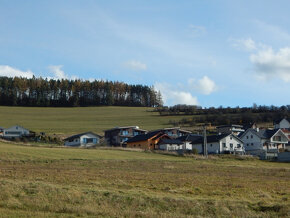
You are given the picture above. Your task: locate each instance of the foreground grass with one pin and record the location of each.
(81, 119)
(63, 182)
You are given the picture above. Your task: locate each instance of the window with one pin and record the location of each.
(238, 145)
(251, 136)
(210, 145)
(252, 144)
(224, 145)
(247, 137)
(247, 144)
(124, 132)
(135, 133)
(231, 138)
(231, 145)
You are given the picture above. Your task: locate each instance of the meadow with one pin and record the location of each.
(66, 121)
(67, 182)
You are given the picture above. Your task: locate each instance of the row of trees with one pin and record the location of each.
(197, 110)
(225, 119)
(38, 92)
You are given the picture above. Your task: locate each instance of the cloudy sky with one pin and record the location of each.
(210, 53)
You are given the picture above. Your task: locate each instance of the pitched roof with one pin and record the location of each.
(213, 138)
(279, 120)
(170, 128)
(126, 127)
(170, 141)
(145, 137)
(81, 134)
(189, 138)
(267, 133)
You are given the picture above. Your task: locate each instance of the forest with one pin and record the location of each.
(40, 92)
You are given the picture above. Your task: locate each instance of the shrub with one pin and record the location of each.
(194, 151)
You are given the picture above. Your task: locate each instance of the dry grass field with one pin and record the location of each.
(66, 182)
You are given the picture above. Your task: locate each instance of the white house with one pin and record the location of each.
(282, 124)
(187, 139)
(265, 139)
(220, 144)
(232, 128)
(16, 132)
(87, 139)
(170, 144)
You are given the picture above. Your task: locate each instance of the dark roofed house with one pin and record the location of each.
(232, 128)
(263, 140)
(147, 141)
(187, 139)
(282, 123)
(118, 136)
(175, 132)
(219, 144)
(87, 139)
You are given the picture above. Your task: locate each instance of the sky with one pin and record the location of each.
(202, 52)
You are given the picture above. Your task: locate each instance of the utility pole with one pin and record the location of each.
(204, 142)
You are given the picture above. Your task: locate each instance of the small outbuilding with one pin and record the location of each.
(17, 132)
(87, 139)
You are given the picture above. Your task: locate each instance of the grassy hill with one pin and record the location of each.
(81, 119)
(66, 182)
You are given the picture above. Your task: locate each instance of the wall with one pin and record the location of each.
(252, 143)
(231, 140)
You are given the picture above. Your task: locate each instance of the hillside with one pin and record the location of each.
(69, 120)
(65, 182)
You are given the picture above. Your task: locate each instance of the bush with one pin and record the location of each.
(194, 151)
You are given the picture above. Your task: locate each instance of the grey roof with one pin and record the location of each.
(279, 120)
(81, 134)
(145, 137)
(189, 137)
(213, 138)
(267, 133)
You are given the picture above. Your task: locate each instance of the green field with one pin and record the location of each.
(66, 182)
(81, 119)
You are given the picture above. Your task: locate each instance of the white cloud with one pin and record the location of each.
(8, 71)
(268, 63)
(58, 72)
(135, 65)
(172, 96)
(244, 44)
(204, 85)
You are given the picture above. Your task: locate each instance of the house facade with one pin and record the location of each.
(174, 132)
(220, 144)
(282, 124)
(16, 132)
(118, 136)
(187, 139)
(170, 144)
(263, 140)
(147, 141)
(87, 139)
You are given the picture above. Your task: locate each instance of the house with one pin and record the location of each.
(287, 133)
(118, 136)
(170, 144)
(282, 124)
(174, 132)
(1, 131)
(87, 139)
(147, 141)
(233, 128)
(219, 144)
(17, 132)
(263, 140)
(187, 139)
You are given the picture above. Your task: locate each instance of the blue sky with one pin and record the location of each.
(211, 53)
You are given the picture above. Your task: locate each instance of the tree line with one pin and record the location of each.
(42, 92)
(223, 116)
